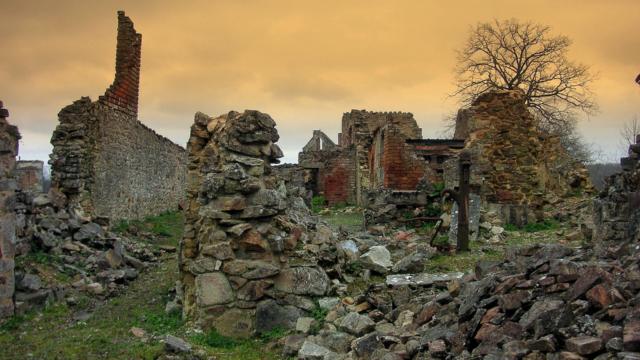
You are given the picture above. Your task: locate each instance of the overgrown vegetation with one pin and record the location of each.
(167, 226)
(318, 202)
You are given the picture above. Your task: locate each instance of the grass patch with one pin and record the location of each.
(318, 203)
(226, 348)
(168, 226)
(274, 334)
(213, 339)
(160, 322)
(350, 221)
(545, 225)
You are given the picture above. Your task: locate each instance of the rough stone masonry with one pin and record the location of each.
(104, 159)
(243, 266)
(9, 137)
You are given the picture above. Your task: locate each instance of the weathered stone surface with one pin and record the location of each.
(176, 344)
(356, 324)
(213, 289)
(236, 323)
(311, 351)
(302, 281)
(377, 259)
(584, 345)
(631, 337)
(271, 315)
(423, 279)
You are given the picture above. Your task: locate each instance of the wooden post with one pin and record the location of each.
(463, 202)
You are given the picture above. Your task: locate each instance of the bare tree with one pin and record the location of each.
(512, 55)
(628, 133)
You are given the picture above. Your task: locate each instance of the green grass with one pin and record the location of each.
(167, 226)
(54, 334)
(318, 203)
(350, 221)
(545, 225)
(159, 322)
(213, 339)
(226, 348)
(465, 261)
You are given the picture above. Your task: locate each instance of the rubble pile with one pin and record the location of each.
(83, 255)
(542, 302)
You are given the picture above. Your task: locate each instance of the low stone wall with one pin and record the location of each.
(240, 259)
(9, 137)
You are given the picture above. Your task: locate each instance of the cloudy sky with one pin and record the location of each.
(303, 62)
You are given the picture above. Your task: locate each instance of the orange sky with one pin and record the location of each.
(305, 63)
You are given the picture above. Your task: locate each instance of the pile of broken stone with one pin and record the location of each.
(542, 302)
(95, 261)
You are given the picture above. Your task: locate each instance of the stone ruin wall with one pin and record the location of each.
(240, 259)
(515, 167)
(30, 175)
(9, 137)
(617, 207)
(104, 159)
(359, 129)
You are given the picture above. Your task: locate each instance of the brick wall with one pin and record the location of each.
(339, 180)
(123, 93)
(402, 169)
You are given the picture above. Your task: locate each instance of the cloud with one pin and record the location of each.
(305, 63)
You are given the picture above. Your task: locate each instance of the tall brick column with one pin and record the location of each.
(123, 93)
(9, 137)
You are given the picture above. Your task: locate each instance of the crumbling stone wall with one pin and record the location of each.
(240, 259)
(30, 175)
(359, 128)
(106, 161)
(513, 162)
(9, 137)
(617, 207)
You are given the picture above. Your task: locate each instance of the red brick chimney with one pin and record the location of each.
(123, 93)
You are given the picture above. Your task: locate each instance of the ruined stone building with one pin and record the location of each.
(372, 152)
(9, 137)
(104, 159)
(516, 167)
(30, 175)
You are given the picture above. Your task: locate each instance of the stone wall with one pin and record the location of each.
(241, 259)
(9, 137)
(359, 129)
(617, 207)
(30, 175)
(513, 163)
(105, 160)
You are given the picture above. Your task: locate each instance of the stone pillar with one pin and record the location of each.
(242, 268)
(9, 137)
